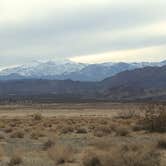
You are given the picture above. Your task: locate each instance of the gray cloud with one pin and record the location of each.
(85, 30)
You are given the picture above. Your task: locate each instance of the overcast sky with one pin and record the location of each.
(91, 31)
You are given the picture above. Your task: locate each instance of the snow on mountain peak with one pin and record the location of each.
(47, 68)
(71, 70)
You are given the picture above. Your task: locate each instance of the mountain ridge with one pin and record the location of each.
(71, 70)
(147, 83)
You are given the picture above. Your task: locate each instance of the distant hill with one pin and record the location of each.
(17, 90)
(13, 76)
(147, 83)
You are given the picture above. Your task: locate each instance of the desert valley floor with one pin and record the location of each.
(83, 134)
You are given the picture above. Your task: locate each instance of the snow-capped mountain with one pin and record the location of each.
(71, 70)
(42, 69)
(98, 72)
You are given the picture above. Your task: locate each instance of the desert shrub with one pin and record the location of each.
(122, 131)
(102, 130)
(161, 143)
(37, 116)
(155, 118)
(13, 124)
(27, 129)
(81, 131)
(124, 155)
(2, 124)
(48, 144)
(137, 127)
(98, 133)
(66, 129)
(128, 114)
(103, 122)
(8, 130)
(101, 143)
(17, 134)
(15, 160)
(2, 136)
(2, 153)
(47, 124)
(37, 134)
(34, 136)
(61, 154)
(91, 159)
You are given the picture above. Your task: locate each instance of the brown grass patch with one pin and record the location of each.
(102, 130)
(122, 131)
(17, 134)
(37, 116)
(161, 143)
(126, 155)
(155, 118)
(15, 160)
(61, 154)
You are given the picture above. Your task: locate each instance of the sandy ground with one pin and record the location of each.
(70, 109)
(25, 131)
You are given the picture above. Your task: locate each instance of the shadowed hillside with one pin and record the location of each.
(146, 83)
(149, 82)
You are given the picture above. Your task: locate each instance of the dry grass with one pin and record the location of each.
(99, 139)
(37, 134)
(81, 131)
(155, 118)
(2, 153)
(64, 129)
(122, 131)
(102, 130)
(8, 130)
(15, 160)
(48, 144)
(17, 134)
(61, 154)
(126, 155)
(37, 116)
(91, 158)
(128, 114)
(2, 125)
(162, 143)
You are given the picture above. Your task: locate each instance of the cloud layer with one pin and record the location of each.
(81, 30)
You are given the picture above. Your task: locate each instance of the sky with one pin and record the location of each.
(87, 31)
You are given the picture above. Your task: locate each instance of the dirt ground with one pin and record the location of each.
(81, 134)
(66, 109)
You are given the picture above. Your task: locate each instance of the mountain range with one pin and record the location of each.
(148, 83)
(70, 70)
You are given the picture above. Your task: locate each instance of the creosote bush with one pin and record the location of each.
(127, 114)
(48, 144)
(61, 154)
(102, 130)
(81, 131)
(2, 153)
(162, 143)
(122, 131)
(155, 118)
(91, 159)
(66, 129)
(124, 155)
(37, 134)
(37, 116)
(15, 160)
(17, 134)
